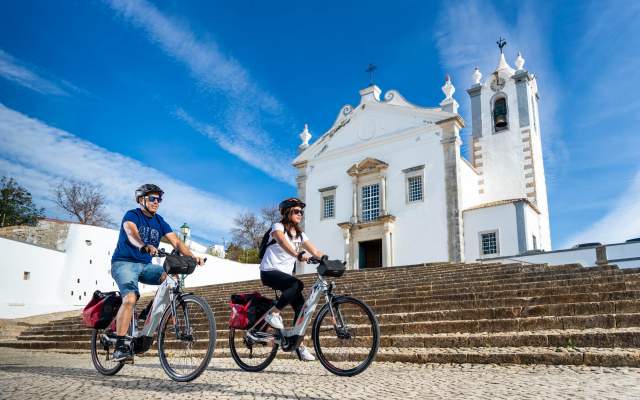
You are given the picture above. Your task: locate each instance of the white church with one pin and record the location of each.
(387, 185)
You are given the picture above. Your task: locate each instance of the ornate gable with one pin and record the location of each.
(367, 166)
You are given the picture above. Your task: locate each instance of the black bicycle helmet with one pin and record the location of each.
(291, 202)
(146, 189)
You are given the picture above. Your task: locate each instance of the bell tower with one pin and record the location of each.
(506, 144)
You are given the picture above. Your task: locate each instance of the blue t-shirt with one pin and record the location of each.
(151, 231)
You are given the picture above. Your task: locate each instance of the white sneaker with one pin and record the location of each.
(274, 319)
(304, 354)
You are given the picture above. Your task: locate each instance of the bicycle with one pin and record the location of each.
(343, 320)
(185, 326)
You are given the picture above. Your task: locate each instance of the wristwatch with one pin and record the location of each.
(300, 255)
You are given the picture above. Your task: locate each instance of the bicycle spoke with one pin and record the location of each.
(347, 343)
(187, 341)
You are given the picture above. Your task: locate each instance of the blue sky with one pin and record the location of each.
(209, 97)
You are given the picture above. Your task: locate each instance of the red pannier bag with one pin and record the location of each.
(239, 316)
(102, 309)
(247, 308)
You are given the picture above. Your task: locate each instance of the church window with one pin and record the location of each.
(500, 121)
(535, 242)
(26, 275)
(489, 243)
(370, 202)
(415, 188)
(328, 206)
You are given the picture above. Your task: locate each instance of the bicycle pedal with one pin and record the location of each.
(128, 361)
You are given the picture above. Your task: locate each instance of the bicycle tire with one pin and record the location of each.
(374, 331)
(97, 355)
(182, 304)
(235, 354)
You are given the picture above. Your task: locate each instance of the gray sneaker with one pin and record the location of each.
(304, 354)
(122, 353)
(274, 319)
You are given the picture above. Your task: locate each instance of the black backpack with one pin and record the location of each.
(266, 242)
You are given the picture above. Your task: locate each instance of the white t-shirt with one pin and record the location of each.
(276, 258)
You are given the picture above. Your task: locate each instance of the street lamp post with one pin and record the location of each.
(186, 232)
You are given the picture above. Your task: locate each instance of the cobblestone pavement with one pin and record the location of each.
(42, 375)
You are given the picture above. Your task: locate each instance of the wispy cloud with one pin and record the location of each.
(605, 59)
(465, 37)
(619, 224)
(267, 162)
(18, 72)
(241, 128)
(38, 155)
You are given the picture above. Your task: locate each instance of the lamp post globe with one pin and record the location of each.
(186, 231)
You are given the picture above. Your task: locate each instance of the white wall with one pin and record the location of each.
(470, 195)
(533, 226)
(585, 256)
(42, 292)
(501, 218)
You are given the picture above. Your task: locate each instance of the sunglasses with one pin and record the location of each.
(154, 199)
(297, 212)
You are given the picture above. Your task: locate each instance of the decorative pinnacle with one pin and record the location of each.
(448, 89)
(305, 136)
(501, 43)
(477, 75)
(519, 62)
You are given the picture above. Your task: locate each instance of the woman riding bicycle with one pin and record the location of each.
(278, 263)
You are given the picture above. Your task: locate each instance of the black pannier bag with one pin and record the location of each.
(333, 268)
(101, 310)
(179, 265)
(258, 306)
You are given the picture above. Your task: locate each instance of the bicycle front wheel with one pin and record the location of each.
(186, 341)
(102, 352)
(346, 336)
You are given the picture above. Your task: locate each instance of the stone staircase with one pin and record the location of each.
(457, 313)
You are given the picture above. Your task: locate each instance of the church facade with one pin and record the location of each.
(387, 184)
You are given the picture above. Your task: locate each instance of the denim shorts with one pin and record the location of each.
(128, 274)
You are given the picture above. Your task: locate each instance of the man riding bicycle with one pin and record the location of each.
(140, 234)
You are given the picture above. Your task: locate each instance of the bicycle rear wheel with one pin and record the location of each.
(187, 340)
(250, 355)
(102, 351)
(347, 344)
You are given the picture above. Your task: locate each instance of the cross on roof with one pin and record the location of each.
(501, 43)
(371, 69)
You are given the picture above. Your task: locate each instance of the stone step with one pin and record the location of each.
(477, 287)
(589, 356)
(568, 338)
(568, 309)
(383, 278)
(613, 302)
(416, 280)
(530, 324)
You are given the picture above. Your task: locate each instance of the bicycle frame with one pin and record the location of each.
(297, 332)
(166, 295)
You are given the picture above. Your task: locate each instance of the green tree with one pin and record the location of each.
(16, 204)
(242, 254)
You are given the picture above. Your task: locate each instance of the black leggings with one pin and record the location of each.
(290, 286)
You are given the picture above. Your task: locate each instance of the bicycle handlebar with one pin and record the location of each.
(163, 253)
(314, 260)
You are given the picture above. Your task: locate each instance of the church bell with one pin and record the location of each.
(501, 121)
(500, 114)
